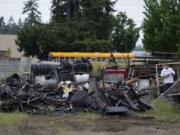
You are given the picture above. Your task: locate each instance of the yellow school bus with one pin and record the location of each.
(90, 55)
(123, 59)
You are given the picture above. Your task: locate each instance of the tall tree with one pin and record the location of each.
(161, 25)
(20, 23)
(85, 24)
(11, 26)
(98, 17)
(2, 25)
(64, 10)
(79, 25)
(31, 9)
(58, 11)
(36, 41)
(125, 33)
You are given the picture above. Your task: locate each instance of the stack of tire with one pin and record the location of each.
(43, 69)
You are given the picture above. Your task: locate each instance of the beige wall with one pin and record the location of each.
(8, 41)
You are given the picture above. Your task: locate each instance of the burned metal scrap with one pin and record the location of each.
(68, 97)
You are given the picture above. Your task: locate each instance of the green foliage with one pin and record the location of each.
(162, 25)
(36, 40)
(69, 38)
(92, 45)
(31, 9)
(10, 27)
(94, 17)
(98, 17)
(82, 29)
(2, 25)
(11, 118)
(58, 11)
(64, 10)
(166, 111)
(125, 33)
(76, 25)
(9, 52)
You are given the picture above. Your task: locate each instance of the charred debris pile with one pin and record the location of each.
(69, 96)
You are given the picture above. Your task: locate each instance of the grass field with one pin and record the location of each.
(12, 118)
(165, 111)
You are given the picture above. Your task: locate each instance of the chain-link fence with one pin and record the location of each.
(8, 68)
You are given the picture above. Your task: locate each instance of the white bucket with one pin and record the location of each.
(51, 83)
(143, 83)
(81, 78)
(40, 80)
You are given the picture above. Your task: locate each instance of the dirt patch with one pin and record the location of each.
(90, 125)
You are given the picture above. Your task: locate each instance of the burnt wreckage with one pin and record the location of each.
(68, 94)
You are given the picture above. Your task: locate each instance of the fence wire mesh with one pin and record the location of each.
(8, 68)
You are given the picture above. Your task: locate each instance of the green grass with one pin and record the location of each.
(165, 111)
(88, 115)
(12, 118)
(63, 131)
(96, 66)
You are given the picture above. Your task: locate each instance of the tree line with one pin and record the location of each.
(161, 25)
(76, 25)
(10, 27)
(92, 26)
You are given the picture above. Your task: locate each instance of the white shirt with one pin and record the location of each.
(167, 75)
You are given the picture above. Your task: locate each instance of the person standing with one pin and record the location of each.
(167, 74)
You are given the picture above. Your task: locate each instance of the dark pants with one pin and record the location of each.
(165, 87)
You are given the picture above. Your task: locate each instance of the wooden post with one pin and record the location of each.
(157, 77)
(178, 76)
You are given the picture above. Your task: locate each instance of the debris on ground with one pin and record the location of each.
(69, 97)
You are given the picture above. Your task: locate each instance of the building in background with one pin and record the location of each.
(11, 60)
(8, 46)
